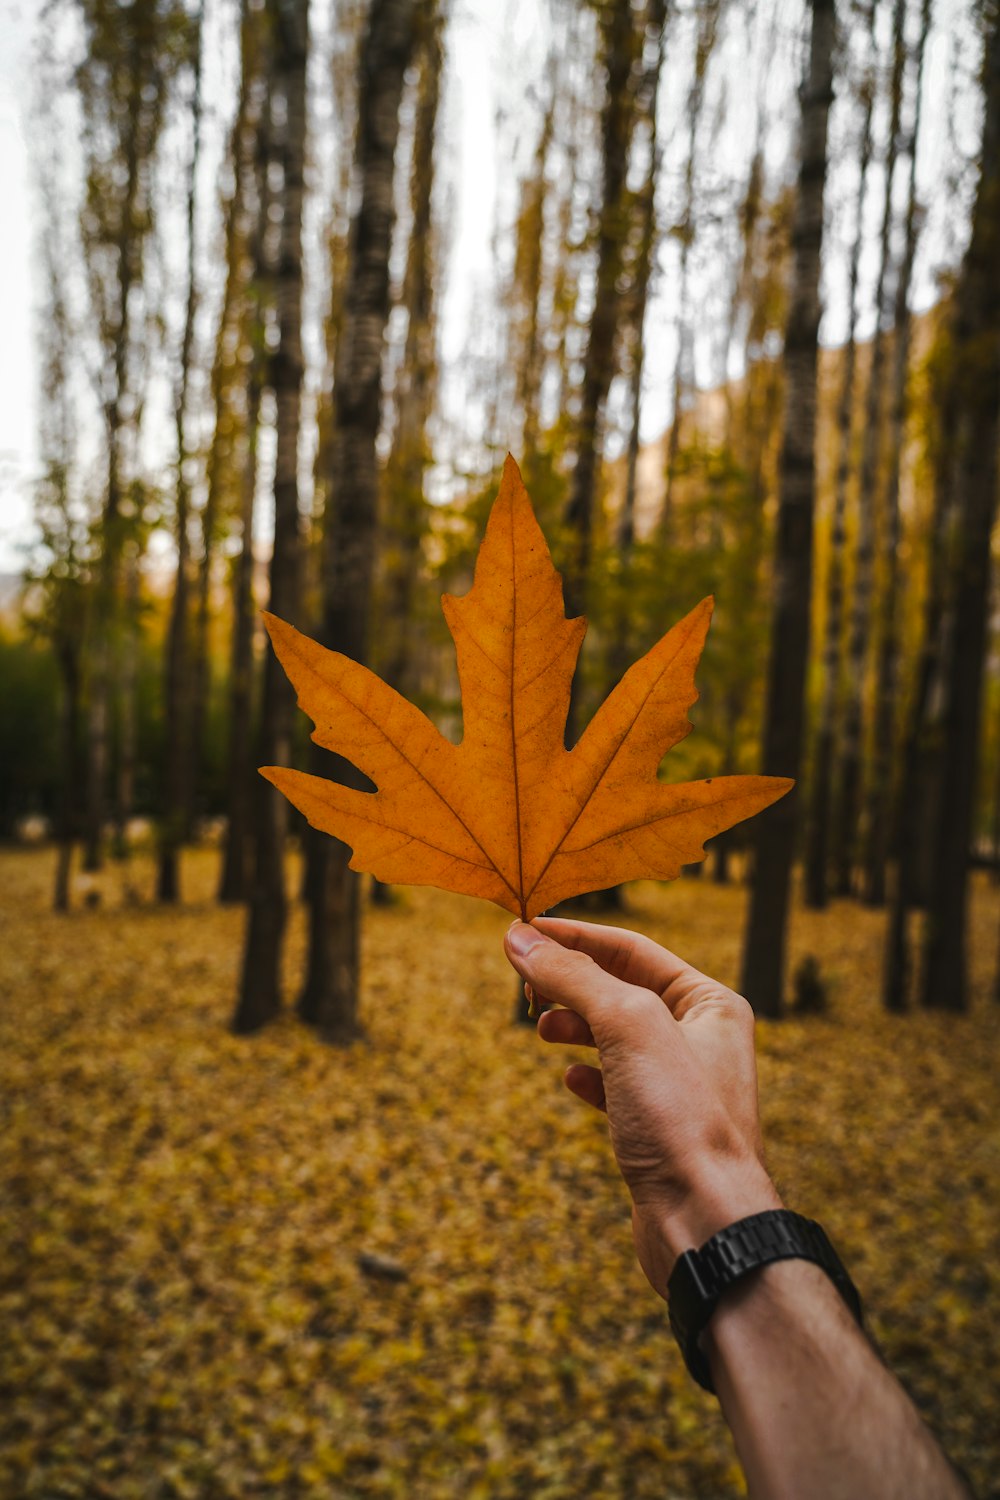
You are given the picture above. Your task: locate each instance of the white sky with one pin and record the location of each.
(488, 134)
(18, 370)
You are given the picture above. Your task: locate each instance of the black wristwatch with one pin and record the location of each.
(700, 1277)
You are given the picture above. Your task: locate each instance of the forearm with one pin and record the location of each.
(812, 1409)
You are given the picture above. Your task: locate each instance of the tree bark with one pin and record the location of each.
(406, 504)
(818, 821)
(255, 208)
(707, 21)
(68, 653)
(107, 605)
(944, 981)
(641, 272)
(917, 784)
(527, 289)
(127, 675)
(406, 518)
(884, 741)
(247, 151)
(849, 779)
(260, 989)
(329, 998)
(241, 781)
(621, 34)
(177, 701)
(775, 831)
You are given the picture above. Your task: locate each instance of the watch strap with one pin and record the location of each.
(700, 1277)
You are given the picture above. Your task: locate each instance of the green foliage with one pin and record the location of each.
(29, 728)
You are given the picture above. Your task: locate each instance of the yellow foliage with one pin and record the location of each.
(183, 1308)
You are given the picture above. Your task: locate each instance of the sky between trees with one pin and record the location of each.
(494, 89)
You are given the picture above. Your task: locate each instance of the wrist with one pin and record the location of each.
(665, 1229)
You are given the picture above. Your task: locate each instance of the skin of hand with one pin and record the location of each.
(677, 1077)
(812, 1409)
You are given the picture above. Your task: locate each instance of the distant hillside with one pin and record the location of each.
(707, 418)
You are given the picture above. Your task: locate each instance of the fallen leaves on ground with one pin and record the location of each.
(242, 1268)
(510, 814)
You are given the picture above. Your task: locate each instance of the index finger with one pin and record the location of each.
(627, 955)
(571, 977)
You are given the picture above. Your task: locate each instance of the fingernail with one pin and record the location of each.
(521, 938)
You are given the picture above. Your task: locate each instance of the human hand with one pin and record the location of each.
(678, 1077)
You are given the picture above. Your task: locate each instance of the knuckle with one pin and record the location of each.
(741, 1010)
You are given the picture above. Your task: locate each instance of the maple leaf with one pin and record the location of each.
(510, 814)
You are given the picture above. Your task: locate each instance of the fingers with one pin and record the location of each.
(626, 955)
(565, 1026)
(587, 1084)
(567, 976)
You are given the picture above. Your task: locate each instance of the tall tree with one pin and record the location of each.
(643, 251)
(818, 821)
(643, 258)
(527, 283)
(60, 586)
(849, 774)
(884, 739)
(775, 832)
(237, 345)
(177, 698)
(260, 989)
(621, 33)
(707, 14)
(329, 997)
(976, 371)
(250, 210)
(918, 779)
(130, 55)
(409, 456)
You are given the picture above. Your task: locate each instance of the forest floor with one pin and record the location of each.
(183, 1309)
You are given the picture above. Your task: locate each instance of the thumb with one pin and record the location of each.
(571, 978)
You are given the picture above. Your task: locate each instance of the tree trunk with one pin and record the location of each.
(917, 784)
(241, 780)
(707, 21)
(775, 830)
(818, 821)
(329, 997)
(127, 672)
(527, 290)
(621, 34)
(68, 651)
(849, 780)
(177, 672)
(248, 151)
(107, 609)
(944, 981)
(884, 741)
(260, 990)
(406, 520)
(641, 272)
(406, 503)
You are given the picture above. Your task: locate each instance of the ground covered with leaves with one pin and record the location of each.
(196, 1229)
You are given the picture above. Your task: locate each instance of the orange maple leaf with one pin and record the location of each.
(509, 813)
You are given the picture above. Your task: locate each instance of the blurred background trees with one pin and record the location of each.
(723, 278)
